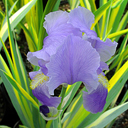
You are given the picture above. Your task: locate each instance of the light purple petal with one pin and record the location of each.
(33, 74)
(76, 60)
(105, 49)
(95, 101)
(33, 57)
(42, 94)
(103, 66)
(43, 67)
(51, 43)
(82, 19)
(56, 24)
(54, 21)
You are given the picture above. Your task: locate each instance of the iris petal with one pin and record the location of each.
(55, 21)
(105, 49)
(33, 57)
(58, 29)
(56, 24)
(103, 66)
(76, 60)
(82, 19)
(95, 101)
(40, 91)
(51, 43)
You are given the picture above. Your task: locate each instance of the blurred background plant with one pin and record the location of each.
(27, 16)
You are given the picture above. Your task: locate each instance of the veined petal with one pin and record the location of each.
(105, 49)
(95, 101)
(76, 60)
(54, 21)
(33, 57)
(43, 68)
(103, 66)
(82, 19)
(51, 43)
(39, 58)
(56, 24)
(40, 91)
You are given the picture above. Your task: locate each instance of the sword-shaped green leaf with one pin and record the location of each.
(108, 116)
(15, 19)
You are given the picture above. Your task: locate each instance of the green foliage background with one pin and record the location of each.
(110, 22)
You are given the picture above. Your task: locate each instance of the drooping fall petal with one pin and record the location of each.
(95, 101)
(76, 60)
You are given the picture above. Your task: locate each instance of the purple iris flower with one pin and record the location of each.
(68, 56)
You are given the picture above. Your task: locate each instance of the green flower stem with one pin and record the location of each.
(55, 123)
(59, 107)
(62, 95)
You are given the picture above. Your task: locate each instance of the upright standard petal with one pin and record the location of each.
(51, 43)
(40, 91)
(95, 101)
(105, 49)
(58, 29)
(55, 21)
(82, 19)
(76, 60)
(33, 57)
(56, 24)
